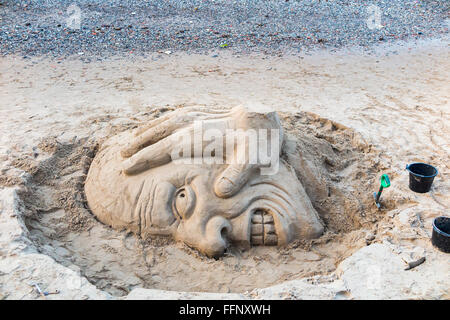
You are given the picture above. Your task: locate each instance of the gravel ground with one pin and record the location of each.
(51, 27)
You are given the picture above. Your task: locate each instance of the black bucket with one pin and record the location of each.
(441, 234)
(421, 176)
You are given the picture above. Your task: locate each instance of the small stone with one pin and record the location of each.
(311, 256)
(415, 263)
(413, 257)
(370, 237)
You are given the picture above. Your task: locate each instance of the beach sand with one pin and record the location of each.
(396, 99)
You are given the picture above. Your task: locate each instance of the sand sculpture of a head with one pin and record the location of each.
(209, 178)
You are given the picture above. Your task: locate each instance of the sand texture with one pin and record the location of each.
(352, 116)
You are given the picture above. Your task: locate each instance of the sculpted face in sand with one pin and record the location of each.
(136, 184)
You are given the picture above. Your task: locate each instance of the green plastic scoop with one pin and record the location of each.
(385, 183)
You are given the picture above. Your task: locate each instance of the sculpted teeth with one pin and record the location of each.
(263, 231)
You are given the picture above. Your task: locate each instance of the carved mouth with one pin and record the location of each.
(263, 232)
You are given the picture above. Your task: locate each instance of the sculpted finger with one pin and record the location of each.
(153, 123)
(164, 127)
(152, 156)
(232, 179)
(206, 110)
(174, 114)
(151, 136)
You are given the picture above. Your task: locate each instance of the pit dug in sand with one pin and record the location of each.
(314, 208)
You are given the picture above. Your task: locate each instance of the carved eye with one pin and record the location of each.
(184, 202)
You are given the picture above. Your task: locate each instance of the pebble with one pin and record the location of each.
(413, 257)
(369, 238)
(107, 28)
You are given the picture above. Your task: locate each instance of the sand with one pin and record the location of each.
(378, 111)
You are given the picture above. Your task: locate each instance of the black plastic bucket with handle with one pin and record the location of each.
(441, 234)
(421, 176)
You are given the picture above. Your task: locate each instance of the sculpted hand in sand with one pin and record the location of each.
(134, 184)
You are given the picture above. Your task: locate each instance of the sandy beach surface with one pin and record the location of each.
(396, 98)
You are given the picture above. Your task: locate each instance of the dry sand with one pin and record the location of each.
(387, 109)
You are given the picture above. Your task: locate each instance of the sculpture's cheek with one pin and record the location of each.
(161, 211)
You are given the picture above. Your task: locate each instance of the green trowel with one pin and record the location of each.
(385, 183)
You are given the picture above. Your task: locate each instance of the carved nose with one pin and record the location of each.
(216, 240)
